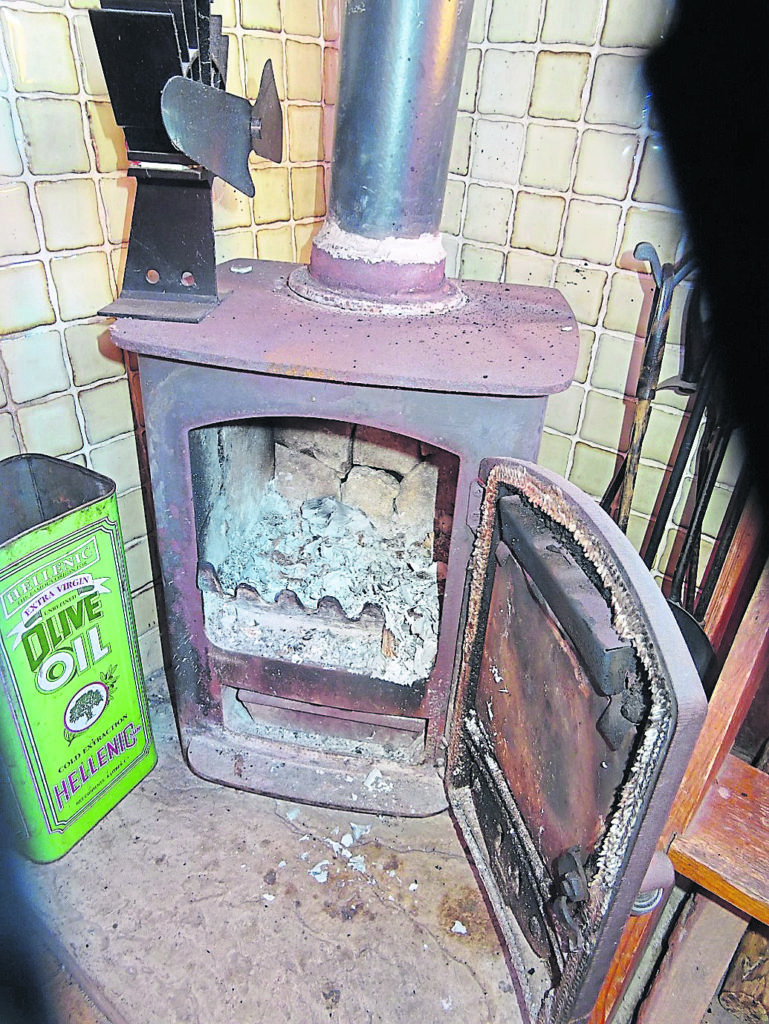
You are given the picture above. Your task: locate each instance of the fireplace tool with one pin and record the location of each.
(165, 65)
(556, 707)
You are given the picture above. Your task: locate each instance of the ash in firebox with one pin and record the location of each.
(323, 548)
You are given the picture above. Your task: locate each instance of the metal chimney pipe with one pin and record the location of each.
(400, 76)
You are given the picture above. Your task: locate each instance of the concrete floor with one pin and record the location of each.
(194, 903)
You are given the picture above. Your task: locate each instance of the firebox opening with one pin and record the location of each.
(323, 543)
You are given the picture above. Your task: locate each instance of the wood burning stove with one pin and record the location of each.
(556, 708)
(560, 686)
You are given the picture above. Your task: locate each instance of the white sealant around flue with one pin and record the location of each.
(346, 245)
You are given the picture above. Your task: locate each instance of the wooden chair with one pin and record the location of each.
(717, 834)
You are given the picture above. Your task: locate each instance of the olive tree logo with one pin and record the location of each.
(85, 707)
(88, 703)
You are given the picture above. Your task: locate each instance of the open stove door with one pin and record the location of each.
(577, 707)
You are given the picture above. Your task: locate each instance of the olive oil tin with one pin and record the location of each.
(75, 733)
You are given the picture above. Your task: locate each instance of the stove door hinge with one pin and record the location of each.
(474, 503)
(572, 887)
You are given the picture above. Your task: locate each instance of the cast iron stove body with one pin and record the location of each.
(561, 684)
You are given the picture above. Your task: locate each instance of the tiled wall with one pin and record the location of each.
(557, 172)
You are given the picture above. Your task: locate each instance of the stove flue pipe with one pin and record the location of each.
(400, 77)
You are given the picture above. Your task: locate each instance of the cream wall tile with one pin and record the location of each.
(106, 410)
(271, 202)
(564, 408)
(591, 231)
(636, 22)
(636, 531)
(305, 134)
(605, 164)
(133, 523)
(231, 208)
(470, 76)
(661, 433)
(107, 138)
(83, 4)
(301, 17)
(275, 244)
(480, 264)
(451, 220)
(235, 72)
(459, 161)
(559, 81)
(92, 353)
(506, 82)
(569, 22)
(3, 396)
(117, 260)
(118, 197)
(82, 284)
(664, 229)
(70, 214)
(488, 213)
(629, 300)
(35, 365)
(554, 451)
(117, 459)
(3, 77)
(592, 469)
(330, 75)
(10, 161)
(586, 340)
(451, 245)
(9, 444)
(617, 95)
(304, 70)
(497, 151)
(238, 244)
(548, 156)
(226, 9)
(478, 22)
(513, 21)
(528, 268)
(583, 289)
(53, 135)
(332, 18)
(655, 182)
(39, 51)
(537, 222)
(145, 610)
(151, 652)
(715, 512)
(616, 364)
(51, 428)
(649, 481)
(303, 236)
(733, 461)
(257, 51)
(88, 57)
(18, 235)
(24, 299)
(260, 14)
(307, 196)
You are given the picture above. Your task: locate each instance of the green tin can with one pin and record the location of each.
(75, 732)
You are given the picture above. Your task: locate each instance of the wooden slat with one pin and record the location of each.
(699, 952)
(725, 848)
(743, 671)
(737, 578)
